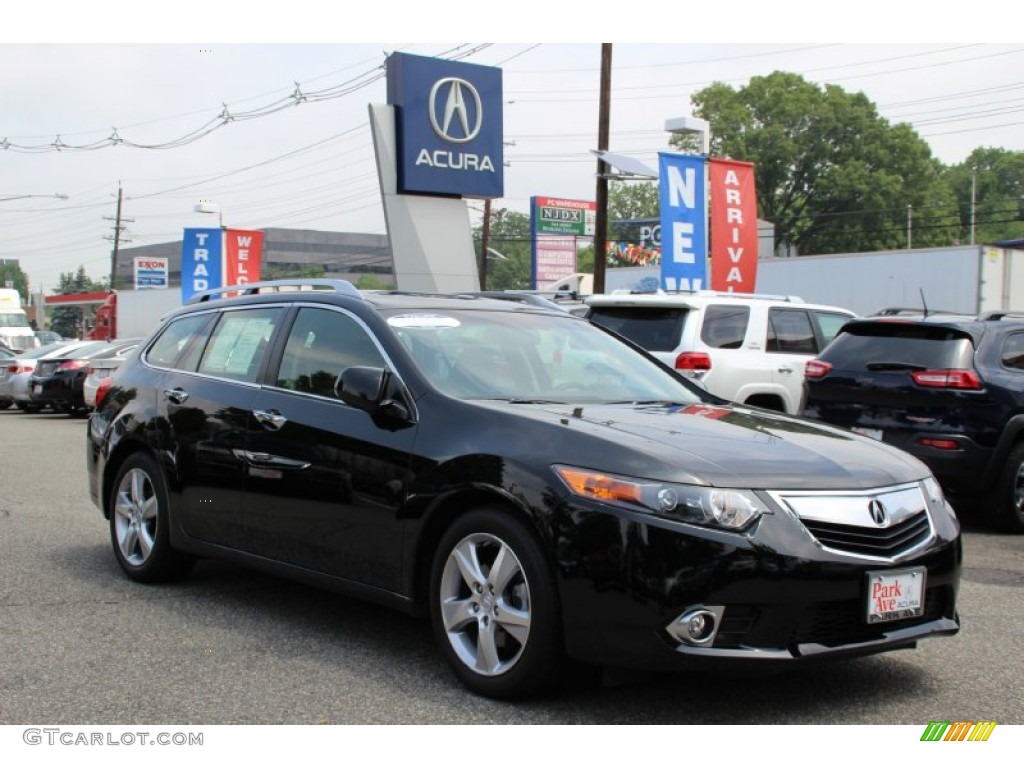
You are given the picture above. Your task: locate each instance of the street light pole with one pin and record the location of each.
(5, 198)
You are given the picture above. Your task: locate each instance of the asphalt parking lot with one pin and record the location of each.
(82, 644)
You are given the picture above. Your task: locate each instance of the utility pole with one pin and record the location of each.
(974, 198)
(116, 238)
(485, 242)
(601, 217)
(910, 226)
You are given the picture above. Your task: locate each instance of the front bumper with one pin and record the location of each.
(785, 599)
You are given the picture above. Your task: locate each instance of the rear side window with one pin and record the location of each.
(790, 330)
(239, 343)
(725, 327)
(900, 346)
(1012, 354)
(656, 329)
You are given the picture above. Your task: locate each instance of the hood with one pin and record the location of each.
(725, 446)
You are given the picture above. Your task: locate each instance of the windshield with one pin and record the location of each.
(531, 357)
(14, 320)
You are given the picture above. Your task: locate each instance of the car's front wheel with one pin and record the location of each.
(494, 605)
(139, 527)
(1007, 503)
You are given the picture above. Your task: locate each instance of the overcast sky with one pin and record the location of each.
(75, 80)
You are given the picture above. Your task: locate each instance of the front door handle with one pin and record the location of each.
(176, 395)
(271, 419)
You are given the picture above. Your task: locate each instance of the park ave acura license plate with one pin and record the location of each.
(895, 595)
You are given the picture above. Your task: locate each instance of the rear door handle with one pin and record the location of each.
(271, 419)
(176, 395)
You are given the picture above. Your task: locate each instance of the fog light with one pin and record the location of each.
(697, 626)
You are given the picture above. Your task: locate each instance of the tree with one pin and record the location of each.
(997, 178)
(632, 200)
(831, 174)
(509, 236)
(69, 322)
(11, 271)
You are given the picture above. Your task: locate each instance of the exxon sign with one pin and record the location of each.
(448, 118)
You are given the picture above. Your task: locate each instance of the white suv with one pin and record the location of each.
(746, 348)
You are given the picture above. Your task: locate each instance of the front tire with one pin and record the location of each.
(494, 605)
(139, 525)
(1007, 502)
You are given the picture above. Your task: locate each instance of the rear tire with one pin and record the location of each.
(139, 525)
(1006, 507)
(494, 605)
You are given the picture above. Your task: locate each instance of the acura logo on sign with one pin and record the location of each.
(448, 103)
(878, 513)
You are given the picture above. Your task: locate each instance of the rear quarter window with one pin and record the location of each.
(725, 327)
(656, 329)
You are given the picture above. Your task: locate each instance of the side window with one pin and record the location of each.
(789, 330)
(322, 343)
(830, 323)
(178, 340)
(239, 343)
(1012, 355)
(725, 327)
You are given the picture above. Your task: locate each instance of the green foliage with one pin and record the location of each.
(632, 200)
(831, 173)
(997, 178)
(371, 282)
(13, 272)
(509, 236)
(68, 321)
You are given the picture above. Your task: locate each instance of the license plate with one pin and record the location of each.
(875, 434)
(895, 595)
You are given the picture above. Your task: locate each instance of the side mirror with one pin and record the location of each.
(375, 391)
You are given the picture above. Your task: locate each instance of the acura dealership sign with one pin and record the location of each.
(448, 125)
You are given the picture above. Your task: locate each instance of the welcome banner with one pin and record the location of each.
(242, 256)
(733, 226)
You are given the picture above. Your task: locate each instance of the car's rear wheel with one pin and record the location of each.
(494, 605)
(139, 526)
(1007, 503)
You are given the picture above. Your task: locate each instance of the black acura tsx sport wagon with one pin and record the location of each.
(537, 486)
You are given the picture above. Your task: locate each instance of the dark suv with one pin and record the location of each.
(535, 484)
(947, 389)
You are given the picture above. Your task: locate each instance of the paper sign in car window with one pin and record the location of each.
(423, 322)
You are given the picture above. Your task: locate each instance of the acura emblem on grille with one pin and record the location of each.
(877, 511)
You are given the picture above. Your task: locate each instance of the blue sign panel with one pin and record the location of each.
(684, 227)
(448, 117)
(201, 257)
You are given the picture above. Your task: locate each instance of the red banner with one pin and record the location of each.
(242, 256)
(733, 226)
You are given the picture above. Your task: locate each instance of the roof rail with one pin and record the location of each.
(766, 296)
(273, 286)
(1002, 314)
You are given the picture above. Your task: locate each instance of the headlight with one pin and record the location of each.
(935, 497)
(728, 508)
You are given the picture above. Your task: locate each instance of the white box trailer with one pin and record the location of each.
(966, 279)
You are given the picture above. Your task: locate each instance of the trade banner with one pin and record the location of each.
(683, 202)
(201, 255)
(733, 226)
(243, 256)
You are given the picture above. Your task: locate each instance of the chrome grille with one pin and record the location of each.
(876, 542)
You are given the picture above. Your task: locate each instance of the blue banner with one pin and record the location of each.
(684, 222)
(448, 124)
(201, 261)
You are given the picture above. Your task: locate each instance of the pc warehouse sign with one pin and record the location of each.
(448, 121)
(556, 226)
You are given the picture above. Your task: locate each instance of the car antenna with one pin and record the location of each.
(923, 302)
